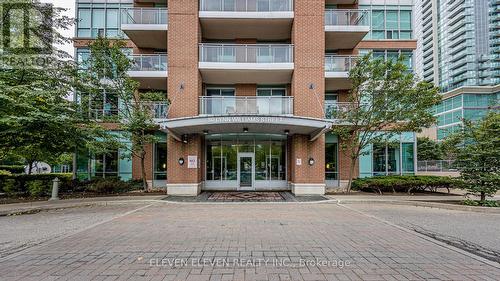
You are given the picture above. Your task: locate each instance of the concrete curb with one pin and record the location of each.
(36, 209)
(438, 205)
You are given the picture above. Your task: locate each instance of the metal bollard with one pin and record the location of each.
(55, 189)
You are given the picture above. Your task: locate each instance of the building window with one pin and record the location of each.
(391, 55)
(390, 22)
(160, 164)
(99, 19)
(106, 165)
(331, 161)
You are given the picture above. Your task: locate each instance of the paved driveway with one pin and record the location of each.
(244, 242)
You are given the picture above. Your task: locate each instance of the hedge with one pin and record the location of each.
(406, 183)
(15, 169)
(40, 185)
(36, 185)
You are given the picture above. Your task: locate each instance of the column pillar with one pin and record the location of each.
(308, 90)
(184, 88)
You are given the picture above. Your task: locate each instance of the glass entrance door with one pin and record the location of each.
(246, 171)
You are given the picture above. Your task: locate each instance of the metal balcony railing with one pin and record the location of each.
(246, 5)
(436, 166)
(149, 62)
(347, 17)
(158, 109)
(144, 16)
(334, 63)
(242, 53)
(246, 105)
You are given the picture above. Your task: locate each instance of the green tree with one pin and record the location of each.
(386, 99)
(428, 149)
(108, 70)
(37, 120)
(478, 155)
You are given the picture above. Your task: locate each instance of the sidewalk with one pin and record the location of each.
(36, 206)
(431, 201)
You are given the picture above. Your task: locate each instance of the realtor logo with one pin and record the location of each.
(26, 28)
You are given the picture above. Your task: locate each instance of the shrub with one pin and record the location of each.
(19, 184)
(14, 169)
(108, 186)
(5, 173)
(37, 188)
(10, 187)
(407, 183)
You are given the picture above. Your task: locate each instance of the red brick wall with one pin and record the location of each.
(308, 37)
(183, 37)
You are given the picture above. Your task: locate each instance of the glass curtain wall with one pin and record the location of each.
(222, 156)
(102, 19)
(390, 21)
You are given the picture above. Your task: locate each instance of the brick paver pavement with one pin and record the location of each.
(298, 241)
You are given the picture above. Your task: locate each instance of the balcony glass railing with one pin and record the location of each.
(334, 63)
(149, 62)
(246, 5)
(335, 110)
(248, 105)
(239, 53)
(347, 17)
(144, 16)
(158, 109)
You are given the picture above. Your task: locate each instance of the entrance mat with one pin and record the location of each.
(246, 196)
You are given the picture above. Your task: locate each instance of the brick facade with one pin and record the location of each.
(307, 86)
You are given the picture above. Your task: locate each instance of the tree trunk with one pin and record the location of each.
(483, 196)
(30, 166)
(351, 173)
(143, 171)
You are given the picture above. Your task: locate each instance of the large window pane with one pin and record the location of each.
(408, 158)
(392, 20)
(84, 18)
(405, 20)
(262, 161)
(112, 18)
(160, 164)
(378, 19)
(331, 168)
(379, 159)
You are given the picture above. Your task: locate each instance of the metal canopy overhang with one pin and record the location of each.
(254, 124)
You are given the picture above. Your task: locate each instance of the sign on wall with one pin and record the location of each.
(192, 161)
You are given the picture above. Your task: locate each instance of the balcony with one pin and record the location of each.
(337, 71)
(237, 114)
(246, 105)
(345, 28)
(334, 110)
(238, 63)
(157, 109)
(146, 27)
(259, 19)
(150, 71)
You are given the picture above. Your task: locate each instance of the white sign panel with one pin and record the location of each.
(298, 162)
(192, 161)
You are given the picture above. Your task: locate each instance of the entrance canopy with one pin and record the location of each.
(246, 123)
